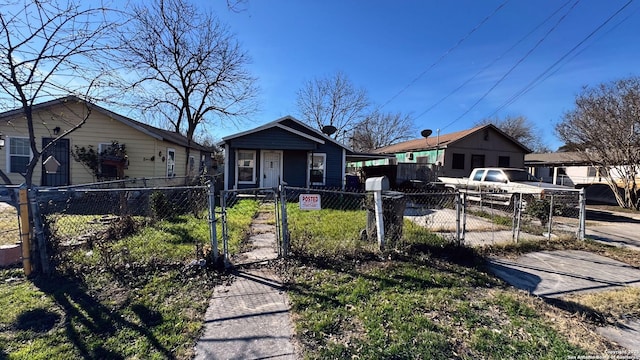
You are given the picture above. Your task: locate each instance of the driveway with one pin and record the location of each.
(613, 228)
(554, 274)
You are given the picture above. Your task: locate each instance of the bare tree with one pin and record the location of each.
(605, 127)
(49, 49)
(333, 101)
(188, 67)
(521, 129)
(381, 129)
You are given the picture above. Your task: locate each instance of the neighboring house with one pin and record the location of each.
(572, 169)
(285, 150)
(456, 154)
(563, 168)
(151, 152)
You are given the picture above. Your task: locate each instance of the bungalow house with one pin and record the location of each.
(286, 150)
(150, 152)
(456, 154)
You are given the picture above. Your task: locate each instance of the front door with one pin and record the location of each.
(60, 151)
(271, 168)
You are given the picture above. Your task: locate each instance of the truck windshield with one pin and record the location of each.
(520, 175)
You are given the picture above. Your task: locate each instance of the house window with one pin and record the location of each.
(19, 155)
(246, 167)
(477, 161)
(317, 169)
(171, 162)
(504, 161)
(457, 161)
(192, 165)
(106, 171)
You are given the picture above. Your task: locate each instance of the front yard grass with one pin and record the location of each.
(136, 297)
(425, 298)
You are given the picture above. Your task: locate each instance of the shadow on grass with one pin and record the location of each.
(461, 266)
(100, 322)
(586, 312)
(37, 320)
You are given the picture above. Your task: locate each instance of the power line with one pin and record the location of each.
(524, 57)
(434, 105)
(587, 46)
(536, 81)
(444, 55)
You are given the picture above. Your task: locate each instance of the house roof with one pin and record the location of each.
(154, 132)
(557, 158)
(441, 141)
(316, 135)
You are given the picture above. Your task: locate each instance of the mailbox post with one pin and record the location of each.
(377, 185)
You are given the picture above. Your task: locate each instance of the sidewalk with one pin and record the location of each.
(248, 318)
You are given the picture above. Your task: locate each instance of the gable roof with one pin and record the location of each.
(154, 132)
(442, 141)
(312, 134)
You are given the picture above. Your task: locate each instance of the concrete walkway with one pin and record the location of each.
(248, 318)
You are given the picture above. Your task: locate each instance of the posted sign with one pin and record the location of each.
(309, 202)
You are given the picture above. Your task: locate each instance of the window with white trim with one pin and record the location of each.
(19, 155)
(171, 162)
(317, 174)
(246, 167)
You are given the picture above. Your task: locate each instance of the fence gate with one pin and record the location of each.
(265, 235)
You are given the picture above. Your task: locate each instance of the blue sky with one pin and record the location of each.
(411, 54)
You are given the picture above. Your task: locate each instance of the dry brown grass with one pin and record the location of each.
(577, 327)
(619, 303)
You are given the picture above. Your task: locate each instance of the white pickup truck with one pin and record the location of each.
(503, 186)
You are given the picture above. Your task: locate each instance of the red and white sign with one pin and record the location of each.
(309, 202)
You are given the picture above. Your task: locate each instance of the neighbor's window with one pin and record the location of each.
(317, 169)
(192, 165)
(171, 162)
(504, 161)
(246, 167)
(106, 170)
(19, 155)
(457, 161)
(477, 161)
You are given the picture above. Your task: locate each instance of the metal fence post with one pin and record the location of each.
(550, 221)
(25, 232)
(212, 220)
(464, 216)
(458, 217)
(377, 203)
(583, 215)
(45, 266)
(225, 232)
(518, 218)
(285, 225)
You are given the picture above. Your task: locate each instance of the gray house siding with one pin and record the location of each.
(296, 143)
(488, 146)
(294, 162)
(334, 167)
(273, 139)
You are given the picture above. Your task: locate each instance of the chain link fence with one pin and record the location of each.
(463, 218)
(239, 208)
(312, 216)
(10, 250)
(95, 217)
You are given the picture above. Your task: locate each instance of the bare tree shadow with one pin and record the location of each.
(101, 322)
